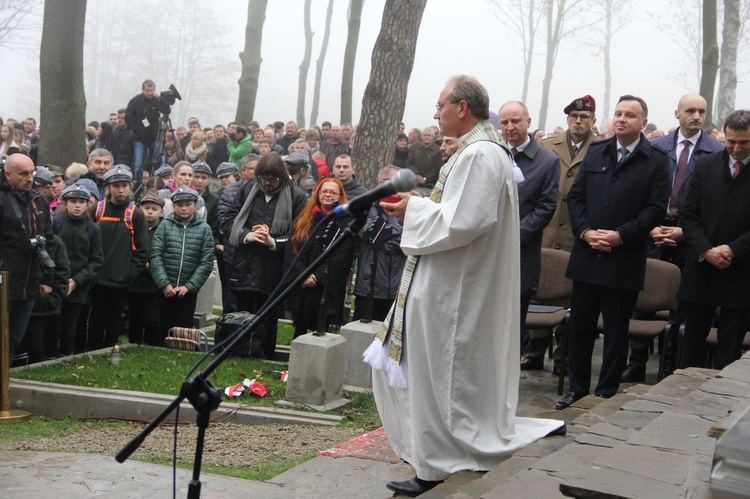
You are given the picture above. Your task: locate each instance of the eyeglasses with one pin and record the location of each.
(440, 106)
(330, 192)
(576, 117)
(269, 179)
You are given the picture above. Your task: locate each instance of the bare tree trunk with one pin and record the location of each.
(385, 95)
(529, 51)
(350, 56)
(319, 65)
(608, 59)
(63, 100)
(554, 30)
(710, 64)
(251, 60)
(304, 67)
(728, 67)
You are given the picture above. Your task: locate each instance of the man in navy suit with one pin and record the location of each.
(618, 196)
(715, 221)
(684, 147)
(537, 200)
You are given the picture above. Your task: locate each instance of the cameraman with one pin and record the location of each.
(24, 215)
(142, 117)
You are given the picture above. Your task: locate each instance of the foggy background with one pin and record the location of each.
(196, 45)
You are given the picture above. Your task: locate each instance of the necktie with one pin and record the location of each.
(514, 151)
(624, 153)
(679, 176)
(575, 151)
(737, 168)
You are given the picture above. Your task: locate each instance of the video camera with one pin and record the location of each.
(167, 98)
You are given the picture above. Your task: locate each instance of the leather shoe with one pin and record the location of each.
(561, 431)
(412, 487)
(557, 365)
(532, 364)
(568, 399)
(633, 374)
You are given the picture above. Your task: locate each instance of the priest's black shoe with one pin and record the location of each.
(532, 364)
(412, 487)
(561, 431)
(633, 374)
(568, 399)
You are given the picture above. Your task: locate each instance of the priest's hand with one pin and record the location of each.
(398, 210)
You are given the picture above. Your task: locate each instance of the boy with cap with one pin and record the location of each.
(43, 180)
(125, 248)
(143, 298)
(181, 260)
(58, 184)
(83, 240)
(201, 175)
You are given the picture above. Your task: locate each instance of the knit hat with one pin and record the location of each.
(76, 191)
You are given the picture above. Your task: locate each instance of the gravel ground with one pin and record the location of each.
(227, 444)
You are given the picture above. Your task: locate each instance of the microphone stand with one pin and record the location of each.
(199, 391)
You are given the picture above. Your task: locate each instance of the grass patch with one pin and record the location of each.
(157, 370)
(41, 427)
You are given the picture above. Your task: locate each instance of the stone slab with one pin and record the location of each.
(727, 386)
(569, 459)
(664, 466)
(509, 468)
(645, 405)
(587, 420)
(611, 431)
(632, 420)
(544, 447)
(452, 484)
(55, 475)
(709, 405)
(597, 440)
(343, 478)
(611, 484)
(316, 369)
(359, 336)
(612, 405)
(739, 370)
(588, 402)
(532, 483)
(682, 433)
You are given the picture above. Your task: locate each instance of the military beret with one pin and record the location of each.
(225, 169)
(184, 193)
(118, 173)
(585, 103)
(152, 198)
(43, 176)
(202, 167)
(76, 191)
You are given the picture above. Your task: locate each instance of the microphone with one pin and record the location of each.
(403, 181)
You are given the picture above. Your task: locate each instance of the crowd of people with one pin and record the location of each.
(86, 242)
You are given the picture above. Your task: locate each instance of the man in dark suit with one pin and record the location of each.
(537, 199)
(618, 196)
(716, 225)
(684, 147)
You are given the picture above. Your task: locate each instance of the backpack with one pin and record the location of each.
(99, 216)
(57, 223)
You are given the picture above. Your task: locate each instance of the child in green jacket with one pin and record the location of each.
(181, 260)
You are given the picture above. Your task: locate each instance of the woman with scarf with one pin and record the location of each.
(260, 221)
(196, 150)
(320, 302)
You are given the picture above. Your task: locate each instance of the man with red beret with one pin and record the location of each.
(570, 147)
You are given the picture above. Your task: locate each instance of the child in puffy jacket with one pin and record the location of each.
(181, 260)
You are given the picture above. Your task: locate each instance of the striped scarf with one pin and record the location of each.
(394, 326)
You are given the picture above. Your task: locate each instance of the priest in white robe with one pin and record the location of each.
(445, 365)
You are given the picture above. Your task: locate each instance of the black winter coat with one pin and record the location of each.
(256, 267)
(50, 304)
(84, 252)
(17, 255)
(384, 233)
(140, 108)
